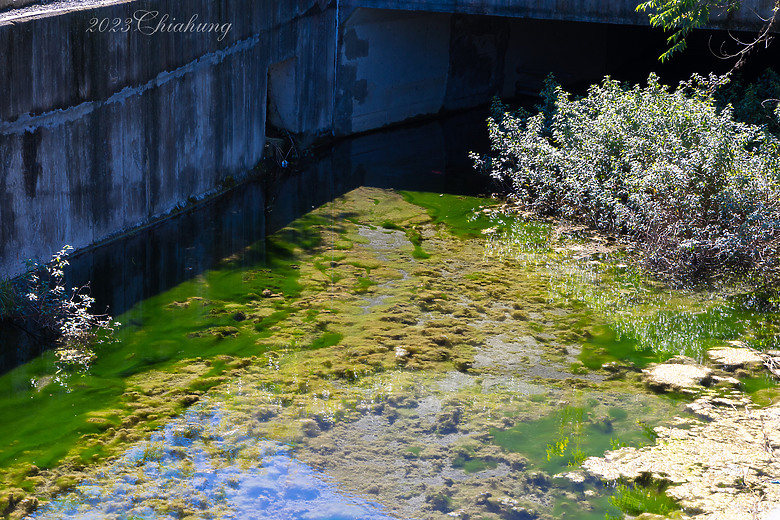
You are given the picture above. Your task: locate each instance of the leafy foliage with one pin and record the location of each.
(757, 103)
(638, 499)
(680, 17)
(698, 190)
(38, 300)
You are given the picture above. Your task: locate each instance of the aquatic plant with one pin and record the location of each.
(38, 302)
(643, 498)
(697, 190)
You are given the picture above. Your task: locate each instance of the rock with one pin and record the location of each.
(482, 498)
(447, 422)
(703, 409)
(187, 400)
(710, 408)
(616, 367)
(440, 502)
(264, 413)
(309, 427)
(577, 477)
(681, 360)
(676, 375)
(515, 461)
(733, 403)
(462, 365)
(721, 469)
(28, 505)
(773, 514)
(391, 414)
(726, 382)
(732, 358)
(220, 332)
(510, 509)
(539, 479)
(401, 401)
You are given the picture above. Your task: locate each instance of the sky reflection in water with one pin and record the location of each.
(206, 461)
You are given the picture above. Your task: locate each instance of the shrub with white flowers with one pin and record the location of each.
(38, 301)
(698, 190)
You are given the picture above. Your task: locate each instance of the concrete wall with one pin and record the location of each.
(396, 65)
(103, 131)
(392, 66)
(15, 4)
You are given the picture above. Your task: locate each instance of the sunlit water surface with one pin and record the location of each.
(385, 355)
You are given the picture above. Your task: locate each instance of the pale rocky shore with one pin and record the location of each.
(723, 461)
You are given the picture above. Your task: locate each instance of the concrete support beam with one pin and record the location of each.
(397, 65)
(748, 18)
(392, 66)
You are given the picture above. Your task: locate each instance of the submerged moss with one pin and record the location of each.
(458, 212)
(373, 286)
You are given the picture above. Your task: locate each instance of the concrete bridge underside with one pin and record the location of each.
(748, 18)
(394, 65)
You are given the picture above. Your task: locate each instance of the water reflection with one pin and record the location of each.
(208, 465)
(428, 156)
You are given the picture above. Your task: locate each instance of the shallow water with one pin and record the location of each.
(205, 462)
(387, 355)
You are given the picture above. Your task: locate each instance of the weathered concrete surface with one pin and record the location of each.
(102, 131)
(609, 11)
(395, 65)
(13, 4)
(392, 66)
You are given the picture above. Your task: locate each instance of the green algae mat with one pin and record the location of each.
(416, 355)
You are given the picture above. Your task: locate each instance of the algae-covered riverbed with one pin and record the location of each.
(387, 355)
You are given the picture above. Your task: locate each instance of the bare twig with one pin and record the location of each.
(764, 38)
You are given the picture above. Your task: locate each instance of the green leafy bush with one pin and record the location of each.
(698, 190)
(757, 103)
